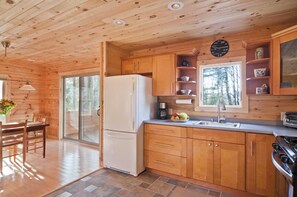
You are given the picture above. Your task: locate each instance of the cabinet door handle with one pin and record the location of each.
(216, 145)
(252, 148)
(163, 144)
(209, 144)
(164, 163)
(164, 130)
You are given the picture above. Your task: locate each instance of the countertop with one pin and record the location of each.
(249, 128)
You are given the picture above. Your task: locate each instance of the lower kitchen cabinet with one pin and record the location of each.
(203, 160)
(231, 159)
(260, 171)
(229, 165)
(165, 162)
(165, 148)
(219, 163)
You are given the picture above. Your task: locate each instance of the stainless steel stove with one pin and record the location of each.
(284, 158)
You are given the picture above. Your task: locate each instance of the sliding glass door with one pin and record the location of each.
(81, 108)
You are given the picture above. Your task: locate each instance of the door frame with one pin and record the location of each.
(80, 132)
(77, 73)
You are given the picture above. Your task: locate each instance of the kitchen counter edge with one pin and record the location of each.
(248, 128)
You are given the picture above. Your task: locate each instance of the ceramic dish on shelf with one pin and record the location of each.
(260, 72)
(185, 78)
(185, 92)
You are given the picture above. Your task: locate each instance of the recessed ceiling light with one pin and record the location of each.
(119, 22)
(175, 5)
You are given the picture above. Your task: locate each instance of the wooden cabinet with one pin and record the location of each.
(203, 156)
(165, 148)
(186, 68)
(255, 62)
(141, 65)
(260, 177)
(217, 159)
(128, 66)
(164, 75)
(285, 62)
(231, 159)
(229, 165)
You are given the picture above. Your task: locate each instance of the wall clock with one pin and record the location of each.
(219, 48)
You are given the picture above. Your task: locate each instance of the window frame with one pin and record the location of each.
(218, 66)
(221, 61)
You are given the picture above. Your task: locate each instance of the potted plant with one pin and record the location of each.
(5, 107)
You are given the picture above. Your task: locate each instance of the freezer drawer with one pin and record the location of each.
(121, 152)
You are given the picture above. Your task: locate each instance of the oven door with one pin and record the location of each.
(284, 176)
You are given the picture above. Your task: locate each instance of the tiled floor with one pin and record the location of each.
(110, 183)
(65, 162)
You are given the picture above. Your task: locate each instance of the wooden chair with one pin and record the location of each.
(35, 138)
(11, 136)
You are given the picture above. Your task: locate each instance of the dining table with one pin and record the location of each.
(31, 126)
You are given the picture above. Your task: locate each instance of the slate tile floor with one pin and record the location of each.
(110, 183)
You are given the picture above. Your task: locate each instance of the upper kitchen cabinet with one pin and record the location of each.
(164, 75)
(258, 69)
(142, 65)
(285, 62)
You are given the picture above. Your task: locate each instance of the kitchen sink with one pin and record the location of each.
(217, 124)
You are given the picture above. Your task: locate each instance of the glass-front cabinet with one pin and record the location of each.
(285, 62)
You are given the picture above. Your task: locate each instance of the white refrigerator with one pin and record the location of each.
(128, 101)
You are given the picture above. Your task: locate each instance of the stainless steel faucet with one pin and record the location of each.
(221, 106)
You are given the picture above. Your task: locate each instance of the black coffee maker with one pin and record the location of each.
(162, 111)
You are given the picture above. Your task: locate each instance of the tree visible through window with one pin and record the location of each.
(221, 81)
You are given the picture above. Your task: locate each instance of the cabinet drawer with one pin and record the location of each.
(165, 144)
(165, 130)
(219, 136)
(166, 163)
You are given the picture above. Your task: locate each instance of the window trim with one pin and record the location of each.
(244, 97)
(217, 66)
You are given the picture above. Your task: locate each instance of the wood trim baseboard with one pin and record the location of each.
(204, 184)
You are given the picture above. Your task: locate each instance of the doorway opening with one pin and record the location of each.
(81, 99)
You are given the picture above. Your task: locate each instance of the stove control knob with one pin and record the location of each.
(284, 158)
(275, 146)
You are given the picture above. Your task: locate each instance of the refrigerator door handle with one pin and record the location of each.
(118, 136)
(132, 105)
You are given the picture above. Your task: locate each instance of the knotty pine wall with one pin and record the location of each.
(260, 107)
(54, 74)
(27, 102)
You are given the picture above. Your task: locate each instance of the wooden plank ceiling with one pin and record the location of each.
(67, 31)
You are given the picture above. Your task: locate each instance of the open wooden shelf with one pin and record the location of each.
(185, 82)
(258, 61)
(252, 63)
(257, 78)
(190, 71)
(182, 95)
(186, 67)
(259, 94)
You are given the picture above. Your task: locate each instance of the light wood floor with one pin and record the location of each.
(65, 162)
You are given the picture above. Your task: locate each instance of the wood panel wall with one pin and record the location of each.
(27, 102)
(53, 76)
(260, 107)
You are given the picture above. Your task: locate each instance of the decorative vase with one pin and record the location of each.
(259, 53)
(3, 118)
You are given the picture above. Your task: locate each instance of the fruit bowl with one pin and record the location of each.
(182, 121)
(180, 117)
